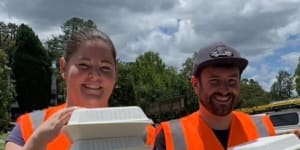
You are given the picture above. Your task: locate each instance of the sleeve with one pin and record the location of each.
(160, 143)
(15, 136)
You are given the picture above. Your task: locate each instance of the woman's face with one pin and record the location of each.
(90, 75)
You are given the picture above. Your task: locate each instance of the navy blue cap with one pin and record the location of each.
(218, 53)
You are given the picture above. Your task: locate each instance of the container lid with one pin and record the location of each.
(107, 122)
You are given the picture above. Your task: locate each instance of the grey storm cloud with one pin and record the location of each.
(46, 13)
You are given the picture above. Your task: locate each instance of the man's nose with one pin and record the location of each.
(224, 89)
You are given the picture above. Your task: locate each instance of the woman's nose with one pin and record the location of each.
(94, 72)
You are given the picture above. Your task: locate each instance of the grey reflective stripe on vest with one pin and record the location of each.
(37, 118)
(261, 127)
(177, 134)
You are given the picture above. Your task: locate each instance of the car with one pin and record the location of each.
(285, 121)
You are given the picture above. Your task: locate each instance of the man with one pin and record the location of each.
(215, 79)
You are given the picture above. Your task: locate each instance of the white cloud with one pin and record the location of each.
(186, 38)
(264, 75)
(175, 29)
(291, 59)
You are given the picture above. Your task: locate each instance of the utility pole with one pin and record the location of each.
(53, 84)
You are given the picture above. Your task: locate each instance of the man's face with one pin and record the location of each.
(218, 89)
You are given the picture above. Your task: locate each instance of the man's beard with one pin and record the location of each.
(220, 109)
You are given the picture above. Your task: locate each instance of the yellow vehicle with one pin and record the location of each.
(274, 106)
(285, 115)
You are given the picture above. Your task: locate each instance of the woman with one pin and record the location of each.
(89, 70)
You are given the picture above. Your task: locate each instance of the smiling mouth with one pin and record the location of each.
(222, 99)
(92, 86)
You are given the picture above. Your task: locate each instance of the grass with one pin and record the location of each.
(2, 139)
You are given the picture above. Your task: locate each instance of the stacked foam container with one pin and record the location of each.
(111, 128)
(279, 142)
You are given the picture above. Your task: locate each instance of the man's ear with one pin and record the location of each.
(62, 67)
(195, 84)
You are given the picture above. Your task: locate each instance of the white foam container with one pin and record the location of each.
(109, 122)
(123, 143)
(279, 142)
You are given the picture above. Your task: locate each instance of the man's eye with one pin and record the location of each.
(232, 82)
(213, 82)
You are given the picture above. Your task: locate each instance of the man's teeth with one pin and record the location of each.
(221, 98)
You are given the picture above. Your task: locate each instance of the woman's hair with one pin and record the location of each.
(87, 34)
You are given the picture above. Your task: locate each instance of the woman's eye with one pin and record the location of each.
(106, 69)
(83, 66)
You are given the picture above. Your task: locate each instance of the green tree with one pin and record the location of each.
(188, 92)
(7, 38)
(283, 87)
(297, 77)
(187, 66)
(12, 30)
(123, 94)
(252, 94)
(31, 68)
(147, 73)
(155, 84)
(7, 93)
(56, 45)
(7, 34)
(74, 24)
(2, 27)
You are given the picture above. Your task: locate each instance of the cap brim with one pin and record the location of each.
(241, 63)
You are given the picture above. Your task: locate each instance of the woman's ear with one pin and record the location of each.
(62, 67)
(195, 84)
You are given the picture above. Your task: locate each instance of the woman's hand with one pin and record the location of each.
(50, 129)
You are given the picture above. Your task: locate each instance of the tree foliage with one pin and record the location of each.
(8, 34)
(187, 66)
(31, 68)
(185, 74)
(7, 87)
(297, 77)
(148, 72)
(74, 24)
(252, 94)
(7, 92)
(123, 94)
(56, 45)
(283, 87)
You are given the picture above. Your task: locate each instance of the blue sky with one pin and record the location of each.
(267, 32)
(283, 58)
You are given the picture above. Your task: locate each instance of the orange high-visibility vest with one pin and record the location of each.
(192, 133)
(151, 134)
(30, 121)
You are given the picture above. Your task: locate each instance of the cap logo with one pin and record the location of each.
(221, 51)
